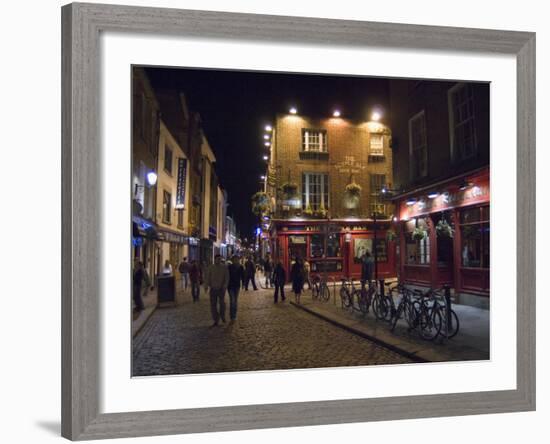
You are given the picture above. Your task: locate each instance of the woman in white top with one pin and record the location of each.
(167, 269)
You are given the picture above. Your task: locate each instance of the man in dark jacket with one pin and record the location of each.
(367, 267)
(138, 277)
(250, 271)
(236, 276)
(279, 279)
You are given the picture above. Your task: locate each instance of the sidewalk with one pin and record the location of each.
(471, 343)
(150, 303)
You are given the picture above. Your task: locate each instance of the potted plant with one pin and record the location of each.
(308, 211)
(419, 233)
(444, 229)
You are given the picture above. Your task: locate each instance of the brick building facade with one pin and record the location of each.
(312, 162)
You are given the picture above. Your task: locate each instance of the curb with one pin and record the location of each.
(147, 315)
(364, 335)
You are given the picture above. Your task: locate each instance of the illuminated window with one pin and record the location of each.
(475, 237)
(376, 145)
(315, 191)
(314, 140)
(417, 250)
(418, 146)
(377, 182)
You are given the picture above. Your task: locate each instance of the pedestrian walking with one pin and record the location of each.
(367, 267)
(217, 280)
(307, 273)
(137, 280)
(236, 276)
(279, 280)
(183, 268)
(297, 277)
(268, 271)
(195, 277)
(250, 272)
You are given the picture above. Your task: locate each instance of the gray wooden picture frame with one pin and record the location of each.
(81, 232)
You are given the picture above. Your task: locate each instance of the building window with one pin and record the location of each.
(462, 122)
(417, 250)
(376, 145)
(167, 159)
(317, 245)
(180, 218)
(314, 140)
(166, 207)
(418, 146)
(377, 183)
(315, 191)
(445, 244)
(475, 237)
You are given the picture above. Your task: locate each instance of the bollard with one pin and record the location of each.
(447, 290)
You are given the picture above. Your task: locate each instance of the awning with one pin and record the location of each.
(143, 228)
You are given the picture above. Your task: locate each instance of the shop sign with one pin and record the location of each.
(475, 194)
(297, 239)
(180, 192)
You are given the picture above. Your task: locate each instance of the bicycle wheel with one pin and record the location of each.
(397, 315)
(324, 293)
(314, 291)
(362, 302)
(380, 307)
(454, 325)
(345, 297)
(430, 323)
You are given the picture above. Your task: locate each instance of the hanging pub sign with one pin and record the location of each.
(180, 193)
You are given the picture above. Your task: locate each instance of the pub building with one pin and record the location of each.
(333, 247)
(322, 192)
(444, 236)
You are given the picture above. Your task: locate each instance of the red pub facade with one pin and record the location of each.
(334, 247)
(444, 236)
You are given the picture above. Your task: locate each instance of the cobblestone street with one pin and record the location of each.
(265, 336)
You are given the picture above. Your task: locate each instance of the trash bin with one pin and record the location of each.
(166, 289)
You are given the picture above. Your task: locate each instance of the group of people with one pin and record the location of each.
(230, 277)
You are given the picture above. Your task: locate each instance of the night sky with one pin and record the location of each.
(235, 106)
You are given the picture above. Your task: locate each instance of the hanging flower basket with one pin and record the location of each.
(444, 229)
(289, 188)
(419, 234)
(353, 189)
(260, 203)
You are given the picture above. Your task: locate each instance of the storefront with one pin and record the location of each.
(172, 247)
(333, 247)
(144, 233)
(444, 236)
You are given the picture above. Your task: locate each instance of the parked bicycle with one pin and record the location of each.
(319, 288)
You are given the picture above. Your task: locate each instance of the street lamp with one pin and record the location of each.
(151, 179)
(293, 110)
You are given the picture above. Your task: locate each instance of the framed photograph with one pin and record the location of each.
(226, 177)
